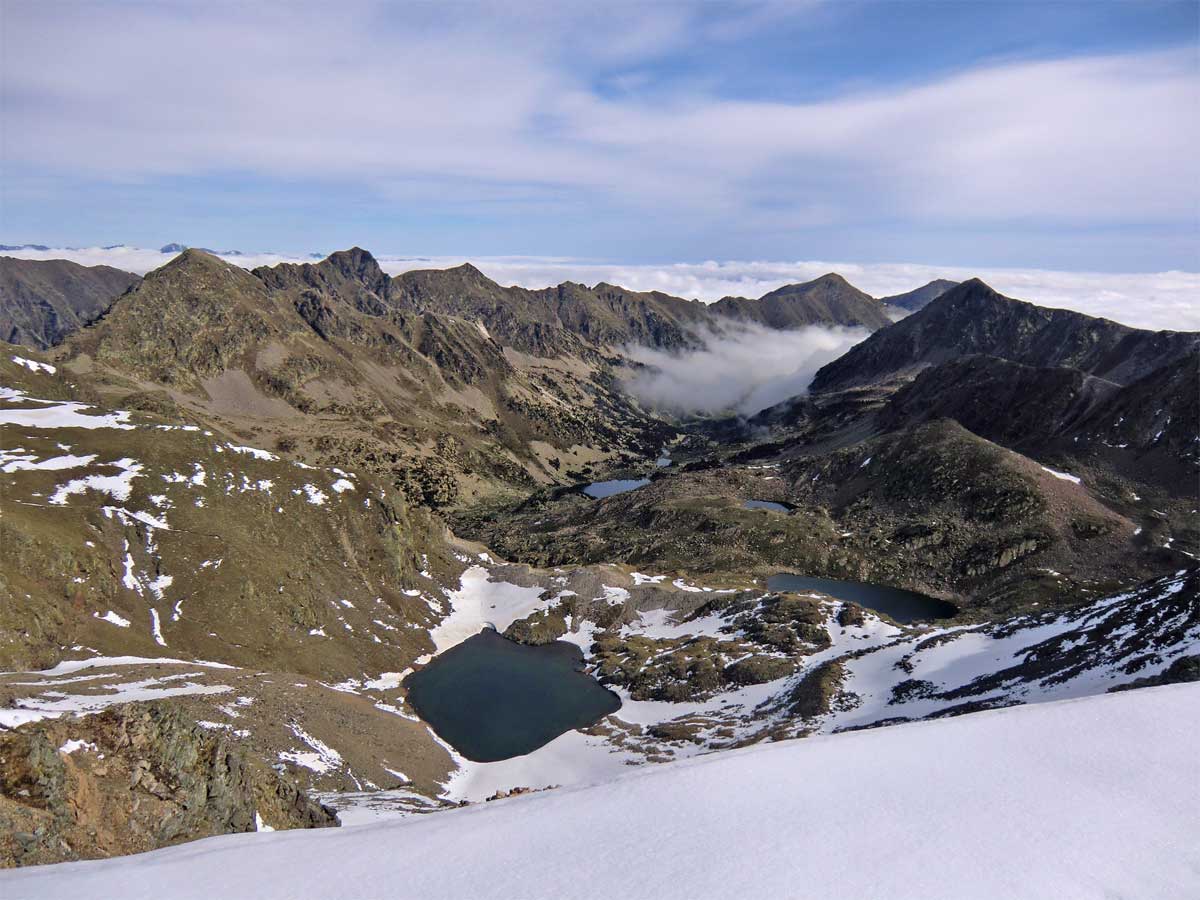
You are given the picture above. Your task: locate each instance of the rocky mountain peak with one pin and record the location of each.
(356, 264)
(193, 259)
(973, 318)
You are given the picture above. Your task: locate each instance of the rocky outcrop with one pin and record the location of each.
(543, 627)
(816, 693)
(1185, 670)
(133, 778)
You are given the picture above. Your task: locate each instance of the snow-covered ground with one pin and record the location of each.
(1094, 797)
(480, 603)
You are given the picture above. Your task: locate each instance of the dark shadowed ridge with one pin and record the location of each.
(920, 297)
(972, 318)
(43, 301)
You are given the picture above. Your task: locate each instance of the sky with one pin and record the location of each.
(1036, 136)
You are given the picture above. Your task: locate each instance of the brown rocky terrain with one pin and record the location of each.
(217, 501)
(134, 778)
(320, 362)
(934, 509)
(43, 301)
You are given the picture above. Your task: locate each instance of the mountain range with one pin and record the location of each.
(241, 507)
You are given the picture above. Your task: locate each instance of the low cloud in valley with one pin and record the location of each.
(745, 368)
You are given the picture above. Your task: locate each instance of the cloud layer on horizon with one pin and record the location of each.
(1156, 300)
(544, 126)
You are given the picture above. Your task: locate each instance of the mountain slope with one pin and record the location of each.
(1144, 430)
(326, 362)
(973, 319)
(828, 300)
(1026, 778)
(1003, 401)
(42, 301)
(919, 297)
(127, 533)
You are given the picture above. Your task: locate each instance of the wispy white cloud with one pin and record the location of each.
(1156, 300)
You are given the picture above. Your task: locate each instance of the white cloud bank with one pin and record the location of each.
(1155, 300)
(744, 369)
(506, 106)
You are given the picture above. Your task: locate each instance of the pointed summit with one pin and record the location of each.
(355, 263)
(973, 318)
(191, 258)
(920, 297)
(828, 300)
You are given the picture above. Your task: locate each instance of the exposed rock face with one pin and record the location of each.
(972, 319)
(43, 301)
(130, 779)
(541, 628)
(828, 300)
(1160, 412)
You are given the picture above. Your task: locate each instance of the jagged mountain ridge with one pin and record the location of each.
(552, 320)
(972, 318)
(572, 318)
(42, 301)
(320, 359)
(528, 367)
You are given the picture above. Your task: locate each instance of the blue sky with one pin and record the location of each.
(1055, 135)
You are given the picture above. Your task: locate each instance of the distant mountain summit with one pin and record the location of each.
(179, 248)
(920, 297)
(42, 301)
(828, 300)
(972, 318)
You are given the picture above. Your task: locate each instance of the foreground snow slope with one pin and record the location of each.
(1081, 798)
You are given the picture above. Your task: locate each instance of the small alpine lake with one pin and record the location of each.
(491, 698)
(601, 489)
(903, 606)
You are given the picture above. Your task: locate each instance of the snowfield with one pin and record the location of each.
(1094, 797)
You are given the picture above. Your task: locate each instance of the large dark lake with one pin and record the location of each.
(492, 699)
(901, 605)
